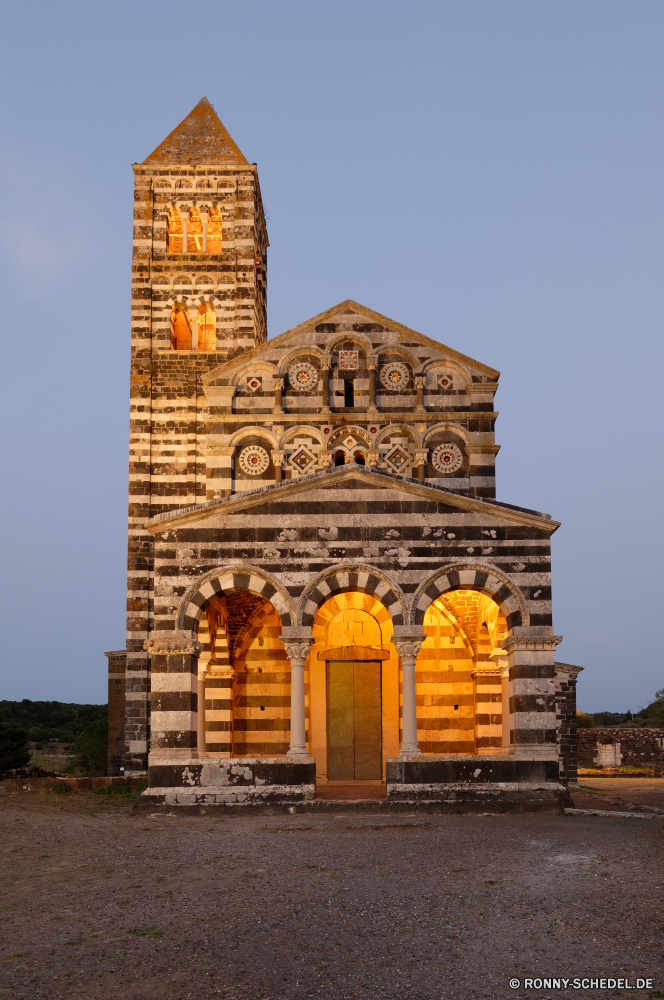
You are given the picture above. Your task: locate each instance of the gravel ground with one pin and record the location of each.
(98, 904)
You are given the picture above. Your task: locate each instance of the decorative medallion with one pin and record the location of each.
(349, 441)
(445, 380)
(394, 375)
(349, 360)
(303, 376)
(373, 430)
(254, 383)
(254, 460)
(447, 458)
(397, 459)
(326, 430)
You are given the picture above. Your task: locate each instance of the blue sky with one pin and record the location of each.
(489, 174)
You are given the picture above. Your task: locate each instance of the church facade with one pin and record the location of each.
(322, 585)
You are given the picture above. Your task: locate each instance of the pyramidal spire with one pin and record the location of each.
(199, 138)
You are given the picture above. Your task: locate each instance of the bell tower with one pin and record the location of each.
(199, 283)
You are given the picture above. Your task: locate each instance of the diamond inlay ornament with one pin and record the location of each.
(394, 375)
(446, 380)
(254, 383)
(254, 460)
(447, 458)
(397, 459)
(303, 376)
(349, 360)
(303, 459)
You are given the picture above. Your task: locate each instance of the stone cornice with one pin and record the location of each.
(531, 642)
(348, 473)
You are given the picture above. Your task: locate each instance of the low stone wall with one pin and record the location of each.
(637, 746)
(236, 780)
(40, 785)
(476, 784)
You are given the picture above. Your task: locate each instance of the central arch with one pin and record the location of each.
(355, 577)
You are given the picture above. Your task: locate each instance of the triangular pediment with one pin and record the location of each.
(354, 319)
(354, 482)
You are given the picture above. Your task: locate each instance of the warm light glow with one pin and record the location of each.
(180, 328)
(207, 331)
(214, 231)
(195, 231)
(174, 230)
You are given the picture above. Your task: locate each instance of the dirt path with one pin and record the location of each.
(97, 904)
(619, 793)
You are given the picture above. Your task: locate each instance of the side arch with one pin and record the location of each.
(473, 576)
(447, 425)
(302, 350)
(255, 431)
(350, 576)
(219, 581)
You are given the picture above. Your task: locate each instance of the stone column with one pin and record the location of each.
(297, 650)
(325, 366)
(372, 364)
(278, 462)
(408, 639)
(420, 382)
(532, 698)
(421, 456)
(278, 395)
(488, 737)
(498, 657)
(174, 698)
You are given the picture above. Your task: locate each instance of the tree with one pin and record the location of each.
(14, 751)
(89, 751)
(584, 721)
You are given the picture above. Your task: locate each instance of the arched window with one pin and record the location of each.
(195, 231)
(180, 327)
(339, 458)
(174, 230)
(207, 328)
(358, 458)
(214, 231)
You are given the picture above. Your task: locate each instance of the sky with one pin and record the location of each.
(489, 174)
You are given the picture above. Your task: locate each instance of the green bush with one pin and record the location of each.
(14, 751)
(584, 721)
(88, 753)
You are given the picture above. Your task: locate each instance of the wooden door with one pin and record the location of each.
(354, 737)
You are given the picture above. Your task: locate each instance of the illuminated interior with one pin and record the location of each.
(174, 230)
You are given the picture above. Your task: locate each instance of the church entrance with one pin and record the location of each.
(354, 720)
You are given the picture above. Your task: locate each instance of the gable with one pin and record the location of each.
(351, 492)
(351, 321)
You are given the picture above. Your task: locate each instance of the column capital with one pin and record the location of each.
(372, 364)
(169, 645)
(407, 647)
(297, 649)
(278, 457)
(325, 458)
(373, 458)
(421, 456)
